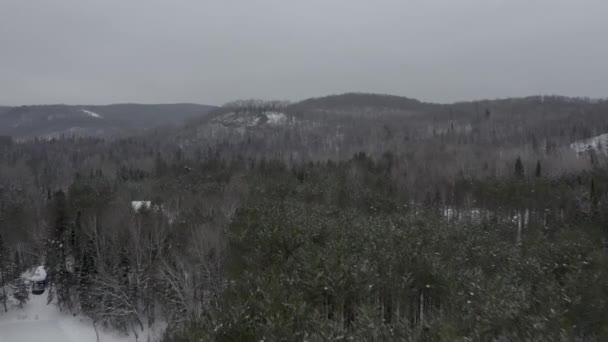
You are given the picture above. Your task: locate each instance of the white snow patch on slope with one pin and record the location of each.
(598, 143)
(93, 114)
(276, 118)
(250, 119)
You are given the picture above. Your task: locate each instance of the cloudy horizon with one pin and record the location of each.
(211, 52)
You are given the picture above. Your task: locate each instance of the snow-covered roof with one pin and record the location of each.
(39, 274)
(138, 205)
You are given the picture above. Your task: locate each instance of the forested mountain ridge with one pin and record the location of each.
(515, 121)
(46, 121)
(432, 143)
(436, 141)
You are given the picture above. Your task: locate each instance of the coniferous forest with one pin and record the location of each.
(356, 217)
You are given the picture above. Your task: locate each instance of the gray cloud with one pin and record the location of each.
(86, 51)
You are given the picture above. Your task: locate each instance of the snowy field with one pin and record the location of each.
(39, 322)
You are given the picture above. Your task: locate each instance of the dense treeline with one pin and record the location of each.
(465, 228)
(247, 249)
(305, 262)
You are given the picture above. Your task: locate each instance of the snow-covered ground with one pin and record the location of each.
(39, 322)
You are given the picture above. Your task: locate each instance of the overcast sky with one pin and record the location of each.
(153, 51)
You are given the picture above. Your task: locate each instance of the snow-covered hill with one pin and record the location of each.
(47, 121)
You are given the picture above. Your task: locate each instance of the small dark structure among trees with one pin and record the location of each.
(39, 281)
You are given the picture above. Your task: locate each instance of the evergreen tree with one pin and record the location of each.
(593, 198)
(86, 274)
(18, 263)
(124, 267)
(160, 167)
(3, 272)
(75, 245)
(538, 172)
(519, 168)
(58, 276)
(20, 291)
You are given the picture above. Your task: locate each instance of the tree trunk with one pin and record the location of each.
(2, 282)
(421, 319)
(95, 328)
(519, 227)
(135, 332)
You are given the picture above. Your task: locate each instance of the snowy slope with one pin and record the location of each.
(90, 113)
(598, 143)
(245, 119)
(276, 118)
(39, 322)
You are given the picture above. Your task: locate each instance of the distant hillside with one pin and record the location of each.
(354, 100)
(477, 137)
(112, 120)
(4, 109)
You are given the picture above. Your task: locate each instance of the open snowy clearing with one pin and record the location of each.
(38, 322)
(33, 331)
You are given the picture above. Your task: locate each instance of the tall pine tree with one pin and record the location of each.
(3, 272)
(87, 271)
(519, 168)
(20, 291)
(58, 276)
(593, 198)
